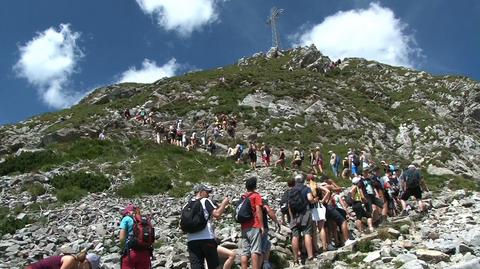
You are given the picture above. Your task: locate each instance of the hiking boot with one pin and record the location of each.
(311, 261)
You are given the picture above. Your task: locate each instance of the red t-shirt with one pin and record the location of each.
(255, 200)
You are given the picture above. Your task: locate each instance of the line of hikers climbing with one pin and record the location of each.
(315, 209)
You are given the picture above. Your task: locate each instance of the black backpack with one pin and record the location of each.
(302, 155)
(296, 199)
(412, 178)
(356, 160)
(244, 212)
(284, 202)
(192, 217)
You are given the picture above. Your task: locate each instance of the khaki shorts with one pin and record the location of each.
(302, 224)
(251, 241)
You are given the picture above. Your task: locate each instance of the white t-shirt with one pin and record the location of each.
(208, 232)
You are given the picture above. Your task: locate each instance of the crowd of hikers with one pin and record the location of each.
(314, 208)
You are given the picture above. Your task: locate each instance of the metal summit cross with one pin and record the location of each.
(272, 21)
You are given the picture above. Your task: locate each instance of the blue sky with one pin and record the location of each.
(52, 54)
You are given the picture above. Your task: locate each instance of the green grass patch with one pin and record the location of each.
(9, 223)
(73, 186)
(27, 161)
(435, 183)
(365, 246)
(460, 183)
(161, 168)
(34, 188)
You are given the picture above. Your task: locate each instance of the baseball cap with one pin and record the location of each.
(94, 260)
(310, 177)
(202, 187)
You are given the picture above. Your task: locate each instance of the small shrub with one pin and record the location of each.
(384, 234)
(145, 185)
(460, 183)
(365, 246)
(70, 194)
(9, 224)
(87, 181)
(35, 189)
(26, 162)
(73, 186)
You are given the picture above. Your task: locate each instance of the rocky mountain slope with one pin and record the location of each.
(62, 188)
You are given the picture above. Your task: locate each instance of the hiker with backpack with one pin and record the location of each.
(318, 211)
(299, 199)
(137, 236)
(81, 260)
(356, 200)
(373, 205)
(284, 202)
(281, 159)
(252, 155)
(297, 159)
(313, 161)
(250, 215)
(319, 160)
(412, 184)
(354, 163)
(334, 163)
(379, 183)
(196, 220)
(266, 152)
(336, 214)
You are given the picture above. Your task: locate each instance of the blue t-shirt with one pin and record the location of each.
(127, 224)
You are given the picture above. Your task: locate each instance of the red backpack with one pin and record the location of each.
(143, 233)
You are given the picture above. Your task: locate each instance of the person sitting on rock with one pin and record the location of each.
(412, 184)
(68, 261)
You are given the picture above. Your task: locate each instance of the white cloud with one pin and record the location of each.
(47, 62)
(184, 16)
(149, 72)
(373, 33)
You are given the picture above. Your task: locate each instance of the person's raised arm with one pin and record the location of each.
(217, 212)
